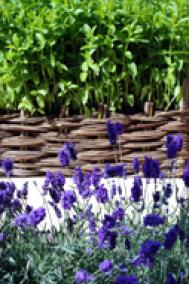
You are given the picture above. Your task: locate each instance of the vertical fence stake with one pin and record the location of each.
(184, 108)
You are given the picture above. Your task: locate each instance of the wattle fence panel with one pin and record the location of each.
(33, 142)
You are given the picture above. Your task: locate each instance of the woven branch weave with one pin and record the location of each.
(33, 142)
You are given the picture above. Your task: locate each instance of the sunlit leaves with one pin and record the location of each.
(118, 53)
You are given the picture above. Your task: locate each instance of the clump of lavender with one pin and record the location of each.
(151, 168)
(114, 130)
(110, 232)
(173, 145)
(66, 154)
(7, 166)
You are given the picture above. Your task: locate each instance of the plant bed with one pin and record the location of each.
(107, 230)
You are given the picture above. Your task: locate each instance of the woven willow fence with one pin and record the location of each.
(33, 142)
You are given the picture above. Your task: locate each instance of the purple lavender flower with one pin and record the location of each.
(58, 180)
(92, 225)
(21, 220)
(125, 231)
(113, 171)
(33, 218)
(36, 216)
(148, 251)
(3, 236)
(119, 128)
(114, 130)
(112, 133)
(54, 184)
(55, 194)
(113, 190)
(119, 213)
(29, 208)
(156, 196)
(109, 221)
(106, 265)
(82, 276)
(95, 177)
(16, 205)
(7, 166)
(186, 175)
(123, 268)
(78, 176)
(151, 168)
(153, 220)
(70, 148)
(136, 165)
(47, 182)
(68, 199)
(170, 279)
(126, 279)
(63, 157)
(111, 239)
(179, 142)
(181, 277)
(23, 193)
(187, 241)
(127, 243)
(2, 185)
(167, 190)
(171, 237)
(136, 190)
(6, 195)
(102, 194)
(106, 238)
(173, 145)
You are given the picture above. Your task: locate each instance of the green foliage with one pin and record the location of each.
(84, 53)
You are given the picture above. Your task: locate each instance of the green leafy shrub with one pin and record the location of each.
(84, 53)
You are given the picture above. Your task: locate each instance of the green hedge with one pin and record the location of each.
(84, 53)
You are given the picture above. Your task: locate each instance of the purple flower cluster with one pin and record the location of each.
(114, 130)
(136, 165)
(106, 234)
(171, 279)
(147, 253)
(107, 238)
(3, 236)
(126, 279)
(171, 237)
(186, 175)
(136, 190)
(114, 171)
(7, 201)
(67, 153)
(156, 197)
(54, 186)
(68, 199)
(173, 145)
(151, 168)
(106, 266)
(82, 276)
(7, 166)
(101, 194)
(32, 219)
(70, 149)
(153, 220)
(86, 182)
(23, 193)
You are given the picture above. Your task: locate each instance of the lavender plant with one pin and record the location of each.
(108, 232)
